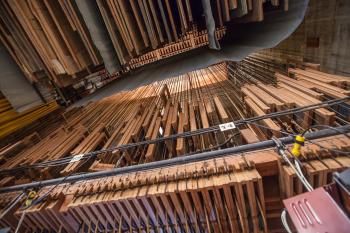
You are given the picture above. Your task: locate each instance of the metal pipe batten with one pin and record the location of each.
(176, 161)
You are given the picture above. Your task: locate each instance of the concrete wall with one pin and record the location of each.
(328, 22)
(14, 85)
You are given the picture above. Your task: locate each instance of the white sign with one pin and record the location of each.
(227, 126)
(76, 158)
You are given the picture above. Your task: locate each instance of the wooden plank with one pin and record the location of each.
(151, 148)
(156, 21)
(171, 18)
(115, 38)
(147, 17)
(121, 27)
(221, 110)
(183, 20)
(140, 22)
(130, 24)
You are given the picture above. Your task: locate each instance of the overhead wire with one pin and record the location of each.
(323, 147)
(281, 150)
(346, 106)
(318, 125)
(323, 126)
(284, 221)
(297, 164)
(41, 198)
(269, 128)
(330, 149)
(12, 204)
(217, 146)
(312, 141)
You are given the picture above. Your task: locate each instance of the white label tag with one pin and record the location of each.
(76, 158)
(227, 126)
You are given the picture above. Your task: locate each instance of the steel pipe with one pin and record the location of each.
(176, 161)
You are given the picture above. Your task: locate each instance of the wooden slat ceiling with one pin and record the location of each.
(51, 37)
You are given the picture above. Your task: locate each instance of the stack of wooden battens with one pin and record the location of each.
(136, 27)
(306, 88)
(191, 40)
(180, 104)
(237, 193)
(196, 100)
(172, 198)
(47, 38)
(50, 39)
(265, 85)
